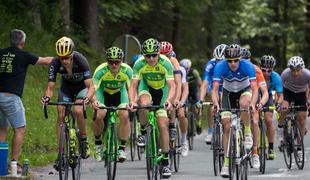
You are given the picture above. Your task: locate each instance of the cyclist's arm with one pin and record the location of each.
(90, 86)
(265, 94)
(185, 92)
(214, 93)
(132, 92)
(44, 60)
(171, 91)
(203, 90)
(254, 93)
(50, 89)
(279, 98)
(178, 86)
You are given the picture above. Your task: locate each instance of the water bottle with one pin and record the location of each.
(3, 158)
(13, 168)
(25, 167)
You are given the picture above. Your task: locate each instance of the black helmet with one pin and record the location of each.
(267, 61)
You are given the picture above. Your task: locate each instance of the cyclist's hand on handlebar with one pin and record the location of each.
(259, 106)
(252, 108)
(96, 105)
(216, 107)
(278, 107)
(198, 104)
(178, 104)
(86, 100)
(130, 106)
(45, 99)
(168, 105)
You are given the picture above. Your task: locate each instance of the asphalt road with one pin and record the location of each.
(198, 165)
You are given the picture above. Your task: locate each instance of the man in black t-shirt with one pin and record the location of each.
(13, 68)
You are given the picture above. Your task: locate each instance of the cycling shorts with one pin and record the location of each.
(299, 99)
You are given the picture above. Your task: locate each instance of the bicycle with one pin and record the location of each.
(191, 125)
(134, 133)
(236, 152)
(292, 140)
(69, 156)
(153, 152)
(110, 139)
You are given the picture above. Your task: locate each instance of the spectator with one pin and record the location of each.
(13, 68)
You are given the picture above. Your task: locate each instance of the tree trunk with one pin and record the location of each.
(284, 38)
(65, 14)
(306, 51)
(277, 38)
(209, 22)
(176, 25)
(34, 6)
(86, 15)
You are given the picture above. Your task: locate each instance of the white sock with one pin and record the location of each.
(183, 138)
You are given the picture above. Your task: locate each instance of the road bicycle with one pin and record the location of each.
(191, 132)
(69, 149)
(134, 134)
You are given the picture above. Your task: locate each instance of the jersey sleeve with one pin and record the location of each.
(129, 73)
(196, 75)
(32, 59)
(169, 69)
(277, 82)
(219, 70)
(85, 68)
(260, 77)
(53, 69)
(176, 65)
(183, 74)
(99, 72)
(250, 70)
(208, 72)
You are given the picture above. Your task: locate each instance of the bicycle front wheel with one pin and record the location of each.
(151, 155)
(112, 156)
(262, 147)
(133, 137)
(177, 148)
(216, 150)
(63, 153)
(191, 130)
(287, 147)
(232, 155)
(299, 151)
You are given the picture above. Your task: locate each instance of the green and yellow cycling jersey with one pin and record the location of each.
(154, 76)
(103, 78)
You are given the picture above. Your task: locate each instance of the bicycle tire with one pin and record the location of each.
(244, 162)
(151, 167)
(191, 131)
(297, 136)
(215, 148)
(76, 171)
(177, 148)
(262, 147)
(112, 156)
(140, 150)
(133, 135)
(63, 153)
(287, 149)
(232, 155)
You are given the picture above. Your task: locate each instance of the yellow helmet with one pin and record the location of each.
(64, 47)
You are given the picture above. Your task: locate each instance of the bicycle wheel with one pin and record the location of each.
(140, 150)
(191, 131)
(216, 150)
(133, 137)
(63, 153)
(298, 145)
(112, 156)
(287, 147)
(177, 148)
(244, 162)
(151, 154)
(76, 169)
(262, 147)
(232, 155)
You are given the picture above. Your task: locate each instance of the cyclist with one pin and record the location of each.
(296, 82)
(239, 85)
(76, 85)
(194, 83)
(206, 86)
(261, 84)
(154, 73)
(110, 80)
(274, 82)
(166, 49)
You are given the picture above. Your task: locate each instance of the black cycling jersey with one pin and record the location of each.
(13, 69)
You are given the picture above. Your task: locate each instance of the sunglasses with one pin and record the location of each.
(233, 60)
(267, 70)
(111, 62)
(151, 55)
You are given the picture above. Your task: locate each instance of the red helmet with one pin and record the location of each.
(165, 47)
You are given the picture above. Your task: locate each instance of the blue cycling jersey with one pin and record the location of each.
(275, 83)
(234, 81)
(208, 73)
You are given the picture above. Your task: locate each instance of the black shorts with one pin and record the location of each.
(299, 99)
(269, 103)
(230, 99)
(157, 95)
(112, 99)
(69, 93)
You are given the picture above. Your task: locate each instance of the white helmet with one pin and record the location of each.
(295, 62)
(219, 51)
(186, 63)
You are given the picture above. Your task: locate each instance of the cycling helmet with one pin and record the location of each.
(114, 53)
(186, 63)
(267, 61)
(64, 47)
(245, 53)
(150, 46)
(135, 58)
(232, 51)
(219, 51)
(166, 47)
(295, 62)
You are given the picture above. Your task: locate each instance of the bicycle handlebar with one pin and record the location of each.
(63, 104)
